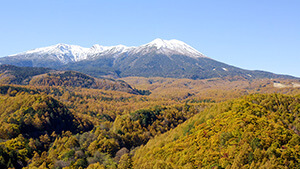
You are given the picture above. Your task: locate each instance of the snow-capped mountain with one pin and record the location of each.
(164, 58)
(167, 47)
(64, 53)
(69, 53)
(74, 53)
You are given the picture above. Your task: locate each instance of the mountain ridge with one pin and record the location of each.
(159, 58)
(36, 76)
(73, 53)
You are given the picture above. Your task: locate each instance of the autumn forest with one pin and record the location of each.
(71, 120)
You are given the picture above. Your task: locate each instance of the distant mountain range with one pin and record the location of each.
(159, 58)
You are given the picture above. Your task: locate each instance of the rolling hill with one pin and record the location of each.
(257, 131)
(36, 76)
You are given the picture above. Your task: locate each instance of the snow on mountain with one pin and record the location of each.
(169, 47)
(63, 52)
(159, 58)
(74, 53)
(113, 51)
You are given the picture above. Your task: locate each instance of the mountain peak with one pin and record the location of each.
(173, 46)
(158, 43)
(161, 43)
(65, 53)
(165, 58)
(62, 47)
(61, 44)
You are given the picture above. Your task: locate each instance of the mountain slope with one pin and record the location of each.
(47, 77)
(33, 115)
(161, 65)
(163, 58)
(252, 132)
(10, 74)
(77, 79)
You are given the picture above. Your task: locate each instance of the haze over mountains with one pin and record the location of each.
(159, 58)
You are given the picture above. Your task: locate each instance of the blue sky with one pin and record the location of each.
(252, 34)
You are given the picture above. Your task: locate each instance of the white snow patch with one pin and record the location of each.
(224, 69)
(169, 47)
(66, 53)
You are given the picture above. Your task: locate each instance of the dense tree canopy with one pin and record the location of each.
(179, 124)
(252, 132)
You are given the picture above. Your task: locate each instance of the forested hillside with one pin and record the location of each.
(257, 131)
(86, 127)
(10, 74)
(215, 89)
(36, 76)
(50, 123)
